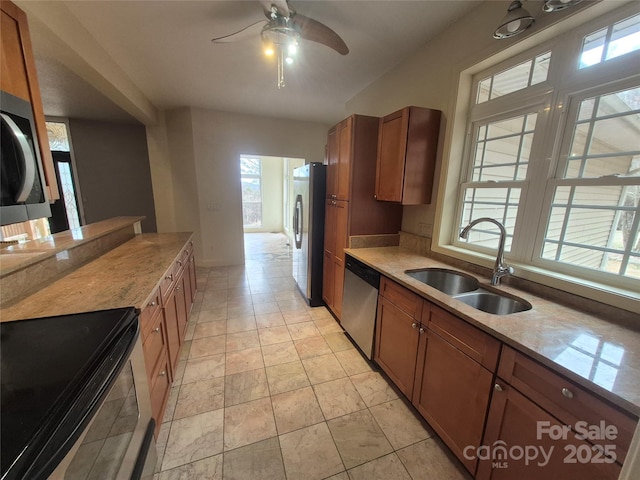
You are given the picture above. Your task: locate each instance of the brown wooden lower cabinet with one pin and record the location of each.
(452, 393)
(517, 451)
(397, 341)
(174, 340)
(163, 327)
(439, 362)
(497, 417)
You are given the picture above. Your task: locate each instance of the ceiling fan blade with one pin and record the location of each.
(248, 31)
(314, 31)
(281, 5)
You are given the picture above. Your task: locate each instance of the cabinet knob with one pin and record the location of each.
(163, 374)
(156, 330)
(567, 393)
(177, 288)
(152, 304)
(375, 196)
(179, 263)
(414, 325)
(169, 277)
(422, 330)
(497, 387)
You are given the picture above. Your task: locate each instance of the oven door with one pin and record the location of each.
(119, 442)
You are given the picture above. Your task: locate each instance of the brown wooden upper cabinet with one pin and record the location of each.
(18, 78)
(407, 145)
(350, 208)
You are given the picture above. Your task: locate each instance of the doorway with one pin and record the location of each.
(267, 197)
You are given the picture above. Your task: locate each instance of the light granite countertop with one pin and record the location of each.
(19, 256)
(125, 276)
(598, 354)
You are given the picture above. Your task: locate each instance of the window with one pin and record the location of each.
(614, 41)
(553, 153)
(251, 181)
(59, 142)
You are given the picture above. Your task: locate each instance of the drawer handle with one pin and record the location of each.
(414, 325)
(497, 387)
(421, 330)
(156, 330)
(169, 277)
(567, 393)
(163, 374)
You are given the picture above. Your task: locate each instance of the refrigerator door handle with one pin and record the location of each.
(297, 222)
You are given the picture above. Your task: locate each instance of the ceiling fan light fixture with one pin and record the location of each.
(516, 21)
(557, 5)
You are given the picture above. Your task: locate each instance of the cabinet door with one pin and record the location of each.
(392, 143)
(345, 137)
(174, 337)
(329, 253)
(396, 349)
(327, 279)
(182, 312)
(341, 229)
(513, 422)
(341, 212)
(332, 163)
(18, 77)
(193, 278)
(452, 393)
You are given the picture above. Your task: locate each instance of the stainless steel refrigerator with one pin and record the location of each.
(309, 186)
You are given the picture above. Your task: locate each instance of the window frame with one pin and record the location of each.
(259, 178)
(571, 100)
(567, 45)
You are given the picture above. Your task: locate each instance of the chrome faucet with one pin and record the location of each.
(500, 269)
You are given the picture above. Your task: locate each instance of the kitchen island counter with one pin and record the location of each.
(124, 276)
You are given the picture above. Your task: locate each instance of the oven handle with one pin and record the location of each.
(26, 157)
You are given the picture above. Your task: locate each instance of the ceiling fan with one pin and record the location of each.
(281, 33)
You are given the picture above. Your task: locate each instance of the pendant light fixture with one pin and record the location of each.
(516, 21)
(557, 5)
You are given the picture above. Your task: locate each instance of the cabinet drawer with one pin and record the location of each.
(160, 385)
(401, 297)
(149, 313)
(155, 344)
(168, 280)
(472, 341)
(564, 399)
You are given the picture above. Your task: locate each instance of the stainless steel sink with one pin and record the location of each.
(493, 303)
(447, 281)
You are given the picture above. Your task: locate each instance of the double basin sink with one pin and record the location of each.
(466, 289)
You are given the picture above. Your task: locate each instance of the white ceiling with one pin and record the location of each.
(164, 47)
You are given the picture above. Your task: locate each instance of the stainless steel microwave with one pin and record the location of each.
(22, 190)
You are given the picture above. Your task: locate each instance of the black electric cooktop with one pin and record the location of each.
(54, 372)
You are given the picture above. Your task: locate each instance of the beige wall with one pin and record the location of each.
(204, 153)
(430, 78)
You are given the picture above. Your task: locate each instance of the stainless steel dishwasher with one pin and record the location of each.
(361, 284)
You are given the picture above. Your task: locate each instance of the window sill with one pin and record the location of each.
(616, 297)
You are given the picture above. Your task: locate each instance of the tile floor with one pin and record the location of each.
(269, 388)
